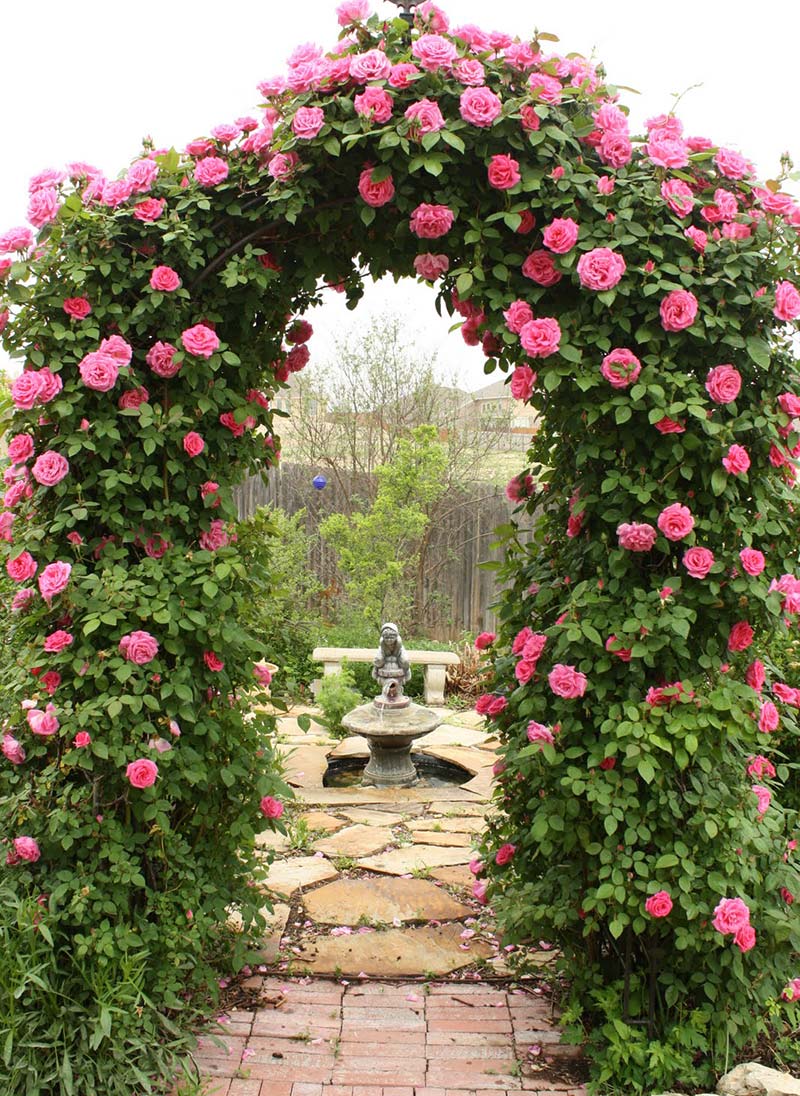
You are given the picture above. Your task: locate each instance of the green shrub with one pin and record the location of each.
(337, 696)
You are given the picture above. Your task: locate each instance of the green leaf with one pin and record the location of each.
(464, 283)
(570, 353)
(367, 214)
(668, 860)
(646, 770)
(719, 480)
(332, 146)
(453, 140)
(758, 351)
(623, 413)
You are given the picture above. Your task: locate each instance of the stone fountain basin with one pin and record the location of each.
(391, 727)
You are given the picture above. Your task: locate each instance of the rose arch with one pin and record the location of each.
(639, 292)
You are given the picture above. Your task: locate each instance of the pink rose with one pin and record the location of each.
(540, 268)
(524, 670)
(262, 674)
(537, 732)
(138, 647)
(434, 52)
(732, 164)
(540, 338)
(50, 468)
(730, 915)
(214, 663)
(369, 66)
(789, 404)
(77, 307)
(545, 87)
(149, 210)
(516, 489)
(787, 694)
(20, 448)
(6, 521)
(431, 221)
(678, 195)
(698, 237)
(560, 235)
(566, 681)
(25, 848)
(600, 269)
(669, 426)
(200, 341)
(787, 302)
(621, 367)
(51, 383)
(54, 579)
(43, 723)
(469, 71)
(666, 151)
(676, 521)
(753, 561)
(375, 104)
(505, 854)
(615, 149)
(133, 398)
(193, 444)
(13, 750)
(99, 371)
(760, 766)
(25, 390)
(737, 460)
(503, 172)
(43, 207)
(723, 383)
(745, 938)
(160, 359)
(484, 640)
(58, 641)
(81, 740)
(116, 347)
(480, 106)
(430, 267)
(678, 310)
(517, 315)
(307, 122)
(378, 193)
(164, 279)
(755, 676)
(352, 11)
(636, 536)
(16, 239)
(215, 538)
(479, 893)
(22, 567)
(403, 74)
(141, 175)
(769, 719)
(210, 171)
(614, 647)
(522, 381)
(605, 185)
(282, 165)
(698, 561)
(425, 117)
(740, 637)
(270, 807)
(659, 904)
(142, 773)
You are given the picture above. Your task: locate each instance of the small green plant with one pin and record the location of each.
(337, 696)
(345, 863)
(301, 836)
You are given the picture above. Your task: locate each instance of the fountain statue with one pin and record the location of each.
(392, 721)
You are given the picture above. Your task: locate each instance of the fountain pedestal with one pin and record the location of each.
(390, 731)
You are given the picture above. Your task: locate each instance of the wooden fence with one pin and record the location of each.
(458, 593)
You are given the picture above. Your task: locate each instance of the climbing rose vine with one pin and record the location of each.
(639, 291)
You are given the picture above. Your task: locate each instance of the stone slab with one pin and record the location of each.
(352, 746)
(474, 761)
(470, 824)
(451, 735)
(287, 876)
(305, 766)
(415, 858)
(374, 818)
(348, 901)
(357, 840)
(465, 809)
(467, 718)
(272, 839)
(458, 875)
(753, 1079)
(482, 784)
(320, 820)
(396, 952)
(443, 838)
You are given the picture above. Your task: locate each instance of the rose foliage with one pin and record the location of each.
(638, 291)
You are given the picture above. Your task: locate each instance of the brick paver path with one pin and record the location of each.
(385, 1039)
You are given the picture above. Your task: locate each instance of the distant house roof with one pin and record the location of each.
(497, 390)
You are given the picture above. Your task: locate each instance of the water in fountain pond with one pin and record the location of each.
(346, 772)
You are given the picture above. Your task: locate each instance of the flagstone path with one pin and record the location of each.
(380, 974)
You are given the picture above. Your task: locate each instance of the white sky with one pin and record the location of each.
(87, 81)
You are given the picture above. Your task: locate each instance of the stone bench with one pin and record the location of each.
(434, 665)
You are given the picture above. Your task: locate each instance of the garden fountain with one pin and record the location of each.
(391, 722)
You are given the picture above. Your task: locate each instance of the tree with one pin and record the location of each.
(379, 548)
